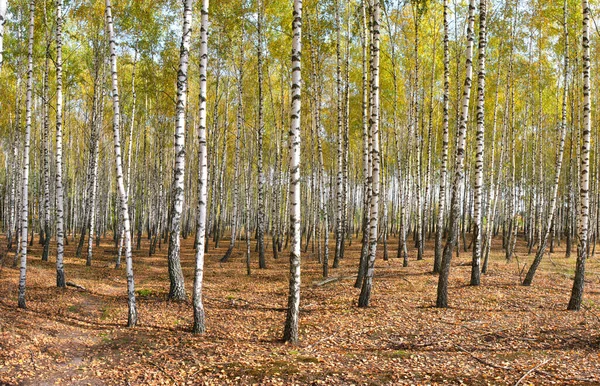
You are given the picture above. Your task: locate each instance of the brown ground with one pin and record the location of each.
(492, 334)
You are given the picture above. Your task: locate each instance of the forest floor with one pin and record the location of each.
(497, 333)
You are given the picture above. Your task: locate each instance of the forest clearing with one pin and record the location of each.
(299, 192)
(74, 336)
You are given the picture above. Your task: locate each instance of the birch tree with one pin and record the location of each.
(442, 289)
(199, 324)
(177, 288)
(60, 252)
(444, 164)
(340, 151)
(46, 139)
(236, 164)
(97, 113)
(584, 175)
(365, 292)
(25, 175)
(559, 159)
(124, 205)
(260, 226)
(290, 333)
(478, 188)
(362, 265)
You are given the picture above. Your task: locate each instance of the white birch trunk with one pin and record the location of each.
(442, 291)
(124, 206)
(261, 130)
(362, 265)
(199, 323)
(559, 159)
(177, 288)
(437, 264)
(365, 293)
(584, 180)
(291, 322)
(129, 153)
(479, 154)
(46, 139)
(60, 251)
(340, 149)
(236, 165)
(25, 176)
(97, 115)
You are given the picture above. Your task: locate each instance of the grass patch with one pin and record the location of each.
(307, 359)
(74, 308)
(144, 293)
(397, 354)
(105, 312)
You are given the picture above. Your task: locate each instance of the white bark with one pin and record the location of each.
(559, 159)
(584, 180)
(177, 289)
(444, 167)
(362, 267)
(291, 323)
(199, 323)
(479, 154)
(25, 176)
(340, 149)
(132, 315)
(60, 251)
(261, 131)
(442, 291)
(129, 152)
(236, 164)
(46, 139)
(365, 293)
(97, 114)
(131, 124)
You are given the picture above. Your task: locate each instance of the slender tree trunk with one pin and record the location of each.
(60, 274)
(340, 151)
(418, 137)
(177, 288)
(494, 184)
(25, 176)
(132, 314)
(46, 139)
(437, 263)
(199, 323)
(584, 181)
(559, 158)
(97, 114)
(365, 293)
(442, 291)
(364, 254)
(236, 168)
(478, 188)
(130, 145)
(290, 333)
(260, 230)
(247, 216)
